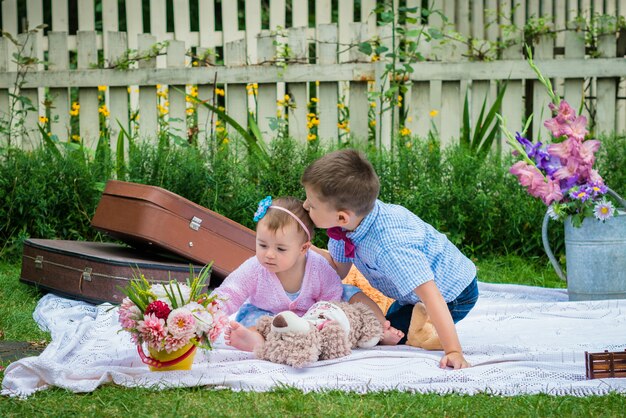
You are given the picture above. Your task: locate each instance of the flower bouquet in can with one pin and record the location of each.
(172, 319)
(560, 171)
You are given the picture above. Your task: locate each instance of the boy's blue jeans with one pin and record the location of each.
(400, 315)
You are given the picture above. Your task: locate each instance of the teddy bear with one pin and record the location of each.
(326, 331)
(422, 332)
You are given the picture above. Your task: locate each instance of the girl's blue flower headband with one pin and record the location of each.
(266, 203)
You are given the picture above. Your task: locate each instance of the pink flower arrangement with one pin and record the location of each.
(561, 173)
(173, 315)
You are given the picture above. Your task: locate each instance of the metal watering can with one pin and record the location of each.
(595, 256)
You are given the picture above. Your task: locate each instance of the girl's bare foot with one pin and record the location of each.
(242, 338)
(391, 336)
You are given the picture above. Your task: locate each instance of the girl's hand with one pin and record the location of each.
(455, 360)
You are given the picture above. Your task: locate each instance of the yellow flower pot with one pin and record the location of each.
(161, 361)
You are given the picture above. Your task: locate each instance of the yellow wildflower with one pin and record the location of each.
(220, 92)
(317, 82)
(311, 137)
(314, 99)
(195, 63)
(225, 141)
(373, 122)
(190, 110)
(43, 119)
(76, 138)
(287, 98)
(375, 58)
(221, 108)
(433, 113)
(372, 104)
(128, 89)
(220, 129)
(102, 88)
(158, 86)
(405, 131)
(341, 105)
(75, 109)
(104, 111)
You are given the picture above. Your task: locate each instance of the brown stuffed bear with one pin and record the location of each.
(328, 330)
(422, 332)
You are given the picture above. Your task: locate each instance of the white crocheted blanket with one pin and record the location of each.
(519, 339)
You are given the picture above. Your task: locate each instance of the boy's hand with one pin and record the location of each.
(455, 360)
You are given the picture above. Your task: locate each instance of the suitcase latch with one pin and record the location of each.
(39, 262)
(87, 274)
(195, 223)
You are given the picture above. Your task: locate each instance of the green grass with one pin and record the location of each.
(16, 323)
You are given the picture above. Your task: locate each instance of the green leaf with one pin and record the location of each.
(366, 48)
(435, 33)
(49, 143)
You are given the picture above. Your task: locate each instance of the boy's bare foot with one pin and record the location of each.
(391, 336)
(242, 338)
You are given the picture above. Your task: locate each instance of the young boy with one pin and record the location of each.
(400, 255)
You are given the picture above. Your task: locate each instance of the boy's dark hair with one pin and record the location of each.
(275, 219)
(345, 179)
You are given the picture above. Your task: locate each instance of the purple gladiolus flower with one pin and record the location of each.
(569, 182)
(530, 148)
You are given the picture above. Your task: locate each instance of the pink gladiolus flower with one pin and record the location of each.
(565, 112)
(556, 128)
(564, 150)
(527, 174)
(577, 128)
(587, 151)
(551, 192)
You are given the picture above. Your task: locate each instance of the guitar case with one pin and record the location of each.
(150, 217)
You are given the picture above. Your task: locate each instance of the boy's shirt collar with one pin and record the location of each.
(361, 231)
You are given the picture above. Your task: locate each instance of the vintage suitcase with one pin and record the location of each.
(94, 271)
(148, 216)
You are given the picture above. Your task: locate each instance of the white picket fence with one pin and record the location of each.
(336, 75)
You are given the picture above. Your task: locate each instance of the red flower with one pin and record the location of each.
(159, 308)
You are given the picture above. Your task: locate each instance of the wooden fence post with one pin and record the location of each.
(327, 94)
(544, 50)
(118, 95)
(30, 136)
(88, 96)
(359, 104)
(58, 61)
(299, 48)
(267, 91)
(606, 89)
(177, 111)
(236, 96)
(574, 87)
(148, 127)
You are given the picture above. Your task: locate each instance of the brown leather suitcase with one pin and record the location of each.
(152, 217)
(94, 271)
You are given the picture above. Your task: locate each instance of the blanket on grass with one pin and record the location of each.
(519, 339)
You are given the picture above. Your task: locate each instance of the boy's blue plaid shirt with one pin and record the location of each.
(397, 251)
